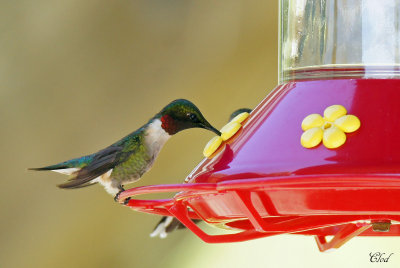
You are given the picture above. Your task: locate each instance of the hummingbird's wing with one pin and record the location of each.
(102, 162)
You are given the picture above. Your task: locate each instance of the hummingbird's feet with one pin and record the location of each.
(116, 197)
(126, 201)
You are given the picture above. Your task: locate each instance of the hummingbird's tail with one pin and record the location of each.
(68, 167)
(167, 225)
(52, 167)
(72, 168)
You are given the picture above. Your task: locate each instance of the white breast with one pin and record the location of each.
(155, 137)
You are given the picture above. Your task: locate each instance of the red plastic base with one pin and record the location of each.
(265, 207)
(263, 182)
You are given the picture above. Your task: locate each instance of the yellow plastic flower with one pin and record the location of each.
(240, 117)
(212, 146)
(227, 132)
(329, 129)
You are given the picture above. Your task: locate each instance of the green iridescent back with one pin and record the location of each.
(136, 163)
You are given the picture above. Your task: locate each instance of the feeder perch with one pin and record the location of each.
(297, 165)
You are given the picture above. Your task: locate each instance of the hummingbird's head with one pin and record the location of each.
(182, 114)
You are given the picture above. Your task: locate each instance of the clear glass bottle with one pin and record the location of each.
(324, 39)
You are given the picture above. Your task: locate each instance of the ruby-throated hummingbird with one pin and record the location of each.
(168, 224)
(129, 158)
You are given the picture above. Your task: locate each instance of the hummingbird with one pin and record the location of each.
(168, 224)
(128, 159)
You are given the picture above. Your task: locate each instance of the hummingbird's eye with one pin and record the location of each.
(193, 117)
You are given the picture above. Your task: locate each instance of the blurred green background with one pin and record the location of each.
(75, 76)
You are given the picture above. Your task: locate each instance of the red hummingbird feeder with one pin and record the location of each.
(320, 155)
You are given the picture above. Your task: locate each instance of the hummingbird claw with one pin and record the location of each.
(116, 198)
(126, 201)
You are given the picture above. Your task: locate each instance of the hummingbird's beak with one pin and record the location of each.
(211, 128)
